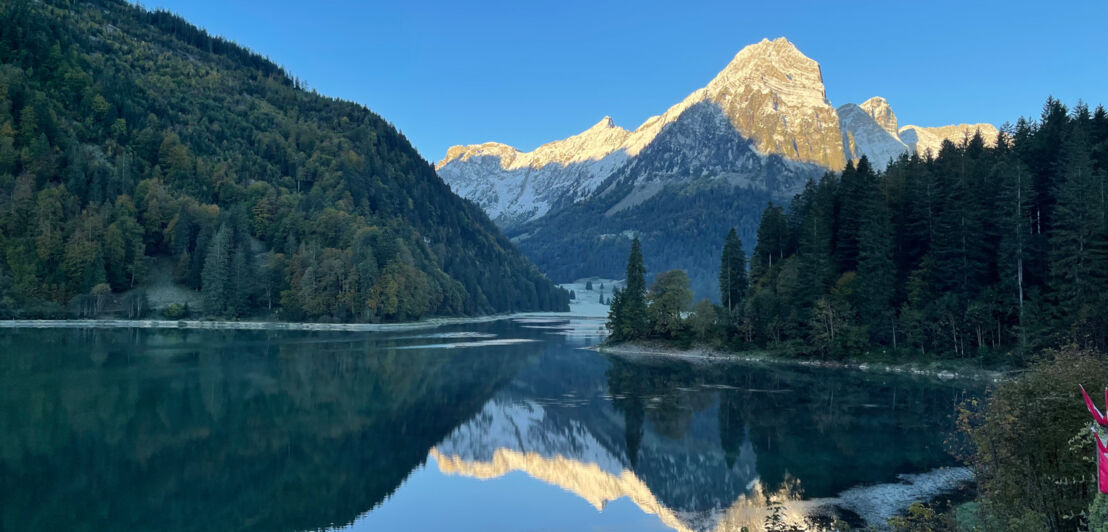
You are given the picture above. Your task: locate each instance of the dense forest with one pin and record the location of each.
(135, 146)
(992, 251)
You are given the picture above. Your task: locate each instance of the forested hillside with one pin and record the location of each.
(978, 251)
(131, 140)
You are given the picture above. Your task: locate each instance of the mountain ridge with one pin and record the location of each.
(755, 133)
(772, 94)
(144, 141)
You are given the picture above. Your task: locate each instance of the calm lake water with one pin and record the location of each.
(507, 425)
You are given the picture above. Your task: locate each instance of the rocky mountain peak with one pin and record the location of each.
(774, 95)
(463, 153)
(604, 123)
(878, 108)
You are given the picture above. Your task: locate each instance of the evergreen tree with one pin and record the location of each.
(1077, 239)
(732, 273)
(627, 319)
(216, 287)
(849, 217)
(773, 237)
(876, 273)
(1015, 204)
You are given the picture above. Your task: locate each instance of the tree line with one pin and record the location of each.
(977, 251)
(134, 145)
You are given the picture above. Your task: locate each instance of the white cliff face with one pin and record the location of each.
(878, 109)
(930, 139)
(864, 135)
(870, 129)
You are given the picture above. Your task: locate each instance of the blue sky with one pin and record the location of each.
(527, 72)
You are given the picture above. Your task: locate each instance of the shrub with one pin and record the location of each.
(176, 311)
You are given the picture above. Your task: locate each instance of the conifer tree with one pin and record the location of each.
(876, 273)
(772, 241)
(1077, 271)
(627, 318)
(1014, 207)
(732, 273)
(217, 273)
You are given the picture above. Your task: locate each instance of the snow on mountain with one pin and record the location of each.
(770, 94)
(514, 187)
(924, 139)
(878, 109)
(869, 129)
(702, 146)
(755, 133)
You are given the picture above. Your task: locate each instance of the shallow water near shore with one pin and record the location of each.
(504, 425)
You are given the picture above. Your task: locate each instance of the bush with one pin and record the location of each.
(1098, 514)
(1032, 444)
(176, 311)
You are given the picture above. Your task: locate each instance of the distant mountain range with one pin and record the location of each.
(757, 132)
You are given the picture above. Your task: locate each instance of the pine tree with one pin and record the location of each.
(876, 275)
(732, 273)
(216, 277)
(243, 281)
(773, 239)
(1015, 203)
(848, 218)
(627, 319)
(1077, 271)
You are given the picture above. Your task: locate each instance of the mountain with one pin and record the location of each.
(924, 139)
(756, 133)
(134, 146)
(761, 84)
(870, 130)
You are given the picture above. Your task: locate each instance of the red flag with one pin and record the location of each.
(1097, 415)
(1102, 463)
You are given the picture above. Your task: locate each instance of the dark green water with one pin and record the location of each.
(248, 430)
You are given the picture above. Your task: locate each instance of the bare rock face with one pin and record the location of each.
(878, 109)
(757, 132)
(774, 95)
(770, 94)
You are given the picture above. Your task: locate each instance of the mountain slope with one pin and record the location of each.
(129, 136)
(757, 132)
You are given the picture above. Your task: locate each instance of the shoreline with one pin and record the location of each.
(429, 323)
(708, 355)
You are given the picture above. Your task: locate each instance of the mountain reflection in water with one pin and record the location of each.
(255, 430)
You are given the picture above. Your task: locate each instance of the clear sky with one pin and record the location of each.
(525, 72)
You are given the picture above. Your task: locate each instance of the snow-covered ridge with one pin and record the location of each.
(924, 139)
(864, 135)
(770, 93)
(594, 143)
(870, 129)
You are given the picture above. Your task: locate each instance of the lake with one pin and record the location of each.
(506, 425)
